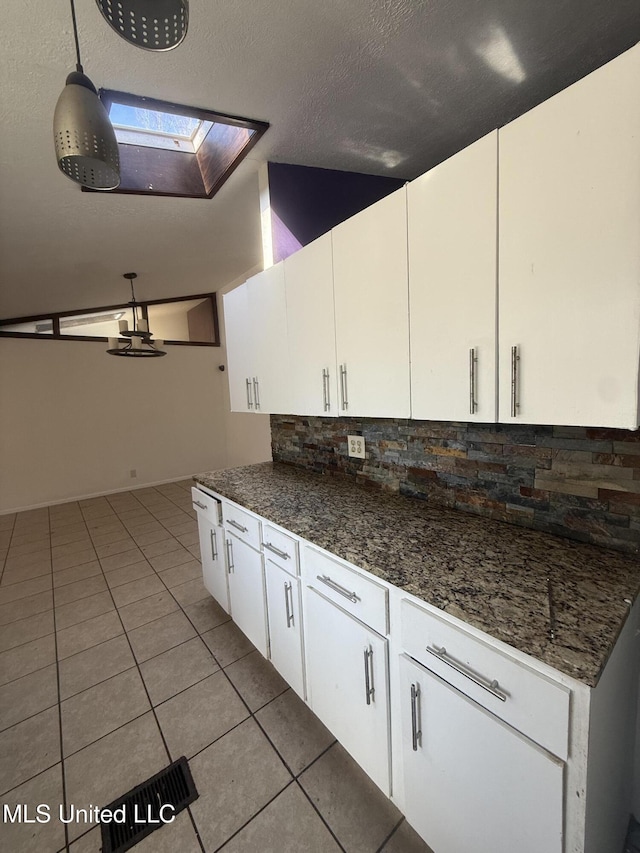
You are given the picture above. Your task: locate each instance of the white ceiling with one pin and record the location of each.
(387, 87)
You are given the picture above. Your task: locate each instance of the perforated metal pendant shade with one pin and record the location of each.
(149, 24)
(86, 146)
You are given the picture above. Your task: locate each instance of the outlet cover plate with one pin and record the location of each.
(355, 446)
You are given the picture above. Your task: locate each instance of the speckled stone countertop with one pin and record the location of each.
(487, 573)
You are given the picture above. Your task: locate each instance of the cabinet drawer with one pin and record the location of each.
(242, 524)
(280, 548)
(355, 593)
(527, 700)
(205, 504)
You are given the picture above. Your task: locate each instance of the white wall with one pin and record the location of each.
(74, 421)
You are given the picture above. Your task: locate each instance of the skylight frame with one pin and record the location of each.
(189, 188)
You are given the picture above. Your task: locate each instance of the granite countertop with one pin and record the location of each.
(492, 575)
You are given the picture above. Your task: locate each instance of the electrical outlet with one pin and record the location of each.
(133, 473)
(355, 446)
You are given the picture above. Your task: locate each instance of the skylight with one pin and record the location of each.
(173, 149)
(155, 129)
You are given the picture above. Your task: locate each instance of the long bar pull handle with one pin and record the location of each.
(326, 389)
(202, 506)
(473, 363)
(249, 395)
(490, 686)
(325, 579)
(515, 402)
(214, 544)
(237, 526)
(230, 565)
(416, 730)
(277, 551)
(343, 387)
(256, 391)
(289, 606)
(369, 688)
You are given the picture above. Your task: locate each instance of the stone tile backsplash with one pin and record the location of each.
(577, 482)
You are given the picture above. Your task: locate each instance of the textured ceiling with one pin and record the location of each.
(384, 86)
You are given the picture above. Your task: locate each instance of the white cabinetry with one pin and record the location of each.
(211, 538)
(255, 318)
(569, 259)
(285, 625)
(471, 781)
(452, 220)
(239, 348)
(269, 345)
(246, 574)
(347, 660)
(312, 381)
(371, 304)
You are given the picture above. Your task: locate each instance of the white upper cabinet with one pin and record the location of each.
(452, 221)
(312, 381)
(371, 305)
(269, 345)
(239, 348)
(569, 254)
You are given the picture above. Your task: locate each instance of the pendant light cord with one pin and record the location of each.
(75, 36)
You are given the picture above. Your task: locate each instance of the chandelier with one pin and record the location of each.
(140, 343)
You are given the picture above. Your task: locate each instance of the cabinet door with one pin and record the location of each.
(313, 373)
(239, 343)
(372, 310)
(270, 349)
(246, 591)
(347, 683)
(569, 259)
(214, 570)
(285, 627)
(471, 781)
(452, 218)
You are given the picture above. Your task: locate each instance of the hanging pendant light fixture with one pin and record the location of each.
(149, 24)
(140, 343)
(86, 146)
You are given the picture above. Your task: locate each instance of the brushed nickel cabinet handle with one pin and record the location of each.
(473, 362)
(369, 688)
(256, 391)
(326, 390)
(490, 685)
(277, 551)
(325, 579)
(416, 731)
(237, 526)
(249, 396)
(230, 566)
(343, 386)
(515, 398)
(289, 606)
(214, 549)
(202, 506)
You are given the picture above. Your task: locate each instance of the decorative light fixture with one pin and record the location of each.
(149, 24)
(140, 344)
(85, 141)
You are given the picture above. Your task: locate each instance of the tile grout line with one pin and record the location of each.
(380, 849)
(62, 768)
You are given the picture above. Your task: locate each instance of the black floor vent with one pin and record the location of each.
(147, 807)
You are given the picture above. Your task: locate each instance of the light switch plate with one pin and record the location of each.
(355, 446)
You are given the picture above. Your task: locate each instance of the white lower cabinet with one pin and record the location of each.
(246, 591)
(347, 683)
(214, 570)
(285, 625)
(471, 781)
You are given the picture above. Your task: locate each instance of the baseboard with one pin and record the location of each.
(96, 495)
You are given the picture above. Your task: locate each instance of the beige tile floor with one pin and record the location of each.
(114, 661)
